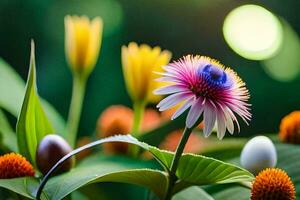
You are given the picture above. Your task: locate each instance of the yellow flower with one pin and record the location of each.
(82, 42)
(139, 64)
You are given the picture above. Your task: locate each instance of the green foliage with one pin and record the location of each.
(8, 137)
(288, 160)
(33, 123)
(193, 192)
(201, 171)
(23, 186)
(192, 170)
(113, 169)
(12, 90)
(233, 192)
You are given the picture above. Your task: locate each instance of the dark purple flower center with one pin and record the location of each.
(214, 75)
(212, 80)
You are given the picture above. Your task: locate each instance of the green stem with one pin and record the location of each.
(179, 150)
(78, 92)
(138, 109)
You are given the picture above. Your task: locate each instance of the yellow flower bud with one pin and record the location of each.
(139, 64)
(82, 42)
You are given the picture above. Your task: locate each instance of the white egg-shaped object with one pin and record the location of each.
(258, 153)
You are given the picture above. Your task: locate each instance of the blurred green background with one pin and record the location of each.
(183, 27)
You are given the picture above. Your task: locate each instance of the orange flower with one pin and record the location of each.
(273, 184)
(118, 119)
(115, 120)
(14, 165)
(193, 144)
(290, 128)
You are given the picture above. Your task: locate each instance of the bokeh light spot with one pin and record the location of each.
(285, 65)
(253, 32)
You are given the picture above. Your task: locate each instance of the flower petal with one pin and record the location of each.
(183, 108)
(194, 113)
(209, 119)
(233, 117)
(221, 125)
(172, 100)
(210, 88)
(170, 89)
(229, 122)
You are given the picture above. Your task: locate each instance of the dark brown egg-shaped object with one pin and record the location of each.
(50, 150)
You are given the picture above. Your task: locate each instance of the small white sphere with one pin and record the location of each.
(258, 153)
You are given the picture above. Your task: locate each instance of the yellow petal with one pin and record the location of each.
(82, 39)
(70, 45)
(139, 63)
(94, 44)
(82, 42)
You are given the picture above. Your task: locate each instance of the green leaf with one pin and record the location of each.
(12, 90)
(78, 196)
(96, 192)
(8, 137)
(193, 192)
(24, 186)
(32, 124)
(232, 192)
(192, 170)
(103, 169)
(288, 160)
(200, 170)
(55, 118)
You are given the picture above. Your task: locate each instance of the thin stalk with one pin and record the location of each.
(179, 150)
(139, 109)
(78, 92)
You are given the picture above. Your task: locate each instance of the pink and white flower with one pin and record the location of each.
(206, 87)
